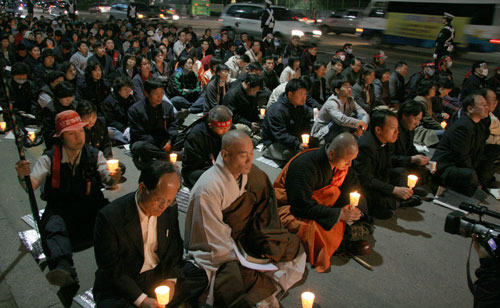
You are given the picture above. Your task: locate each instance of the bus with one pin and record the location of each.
(417, 23)
(200, 7)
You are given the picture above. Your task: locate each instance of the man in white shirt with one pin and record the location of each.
(180, 44)
(138, 246)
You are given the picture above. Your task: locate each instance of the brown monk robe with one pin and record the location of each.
(312, 192)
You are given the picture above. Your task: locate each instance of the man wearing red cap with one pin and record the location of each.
(72, 175)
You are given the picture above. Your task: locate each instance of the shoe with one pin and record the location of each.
(359, 230)
(413, 201)
(67, 293)
(182, 114)
(382, 213)
(62, 277)
(421, 191)
(480, 195)
(358, 248)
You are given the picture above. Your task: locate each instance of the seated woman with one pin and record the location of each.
(92, 86)
(429, 131)
(363, 91)
(183, 90)
(381, 86)
(159, 66)
(128, 68)
(333, 72)
(292, 71)
(339, 114)
(143, 74)
(254, 53)
(216, 88)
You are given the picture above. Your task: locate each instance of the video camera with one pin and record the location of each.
(487, 234)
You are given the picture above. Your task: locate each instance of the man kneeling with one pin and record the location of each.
(233, 203)
(138, 246)
(313, 194)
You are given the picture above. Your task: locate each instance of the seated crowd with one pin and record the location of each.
(334, 128)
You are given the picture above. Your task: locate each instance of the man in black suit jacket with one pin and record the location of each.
(459, 153)
(138, 246)
(384, 193)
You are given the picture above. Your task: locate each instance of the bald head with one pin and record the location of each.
(342, 150)
(233, 138)
(237, 152)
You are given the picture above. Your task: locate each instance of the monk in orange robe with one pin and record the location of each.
(313, 198)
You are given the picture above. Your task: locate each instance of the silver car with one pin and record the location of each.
(341, 21)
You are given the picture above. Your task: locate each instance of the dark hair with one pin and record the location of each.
(469, 101)
(47, 52)
(151, 174)
(245, 58)
(254, 66)
(214, 61)
(155, 52)
(97, 44)
(67, 45)
(152, 84)
(139, 60)
(182, 61)
(53, 75)
(446, 83)
(119, 83)
(64, 89)
(220, 113)
(20, 47)
(424, 87)
(254, 80)
(400, 64)
(412, 108)
(379, 71)
(125, 59)
(318, 64)
(292, 60)
(346, 45)
(338, 83)
(353, 61)
(20, 68)
(85, 108)
(295, 84)
(91, 66)
(268, 58)
(378, 118)
(65, 66)
(79, 43)
(220, 68)
(365, 70)
(307, 80)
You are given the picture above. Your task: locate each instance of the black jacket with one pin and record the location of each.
(119, 249)
(486, 291)
(40, 73)
(108, 70)
(98, 137)
(284, 123)
(271, 79)
(350, 75)
(201, 148)
(318, 87)
(155, 125)
(397, 87)
(403, 149)
(214, 94)
(462, 145)
(115, 109)
(472, 85)
(312, 171)
(244, 107)
(373, 165)
(89, 90)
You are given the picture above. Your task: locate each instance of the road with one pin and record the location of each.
(416, 264)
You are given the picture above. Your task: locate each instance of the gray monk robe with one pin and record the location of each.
(222, 212)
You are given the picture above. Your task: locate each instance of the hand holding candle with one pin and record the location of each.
(307, 299)
(162, 295)
(305, 138)
(173, 158)
(113, 165)
(354, 198)
(412, 180)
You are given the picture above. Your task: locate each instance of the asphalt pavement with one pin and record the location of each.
(416, 264)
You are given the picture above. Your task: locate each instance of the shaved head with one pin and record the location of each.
(342, 150)
(233, 138)
(237, 152)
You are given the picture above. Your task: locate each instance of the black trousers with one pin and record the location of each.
(463, 180)
(191, 178)
(147, 151)
(187, 289)
(486, 169)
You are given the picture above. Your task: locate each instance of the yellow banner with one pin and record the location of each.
(421, 26)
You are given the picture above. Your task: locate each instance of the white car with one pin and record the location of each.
(245, 17)
(60, 9)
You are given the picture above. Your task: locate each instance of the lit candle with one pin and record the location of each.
(3, 126)
(173, 158)
(354, 198)
(305, 138)
(443, 124)
(262, 112)
(113, 165)
(412, 180)
(32, 136)
(162, 295)
(307, 299)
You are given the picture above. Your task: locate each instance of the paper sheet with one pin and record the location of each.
(258, 267)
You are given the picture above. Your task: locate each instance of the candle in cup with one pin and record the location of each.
(3, 126)
(112, 165)
(354, 198)
(173, 158)
(32, 136)
(305, 138)
(262, 112)
(443, 124)
(162, 295)
(412, 180)
(307, 299)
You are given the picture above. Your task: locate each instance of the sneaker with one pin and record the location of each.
(413, 201)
